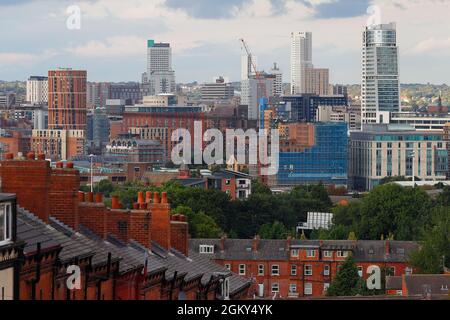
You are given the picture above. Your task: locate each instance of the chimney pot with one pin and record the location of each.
(115, 203)
(156, 198)
(30, 156)
(90, 197)
(98, 197)
(148, 196)
(164, 197)
(140, 197)
(9, 156)
(81, 196)
(59, 165)
(69, 165)
(41, 156)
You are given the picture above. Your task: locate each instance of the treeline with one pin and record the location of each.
(387, 212)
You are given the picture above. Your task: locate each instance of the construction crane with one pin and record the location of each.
(258, 75)
(261, 85)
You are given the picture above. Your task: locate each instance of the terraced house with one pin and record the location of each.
(66, 245)
(301, 268)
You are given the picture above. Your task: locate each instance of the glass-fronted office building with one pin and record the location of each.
(324, 160)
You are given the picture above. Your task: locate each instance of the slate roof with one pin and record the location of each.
(427, 284)
(241, 249)
(393, 283)
(363, 250)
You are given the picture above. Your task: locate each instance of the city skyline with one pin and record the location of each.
(111, 43)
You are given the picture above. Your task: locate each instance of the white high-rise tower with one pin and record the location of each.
(380, 89)
(301, 61)
(160, 76)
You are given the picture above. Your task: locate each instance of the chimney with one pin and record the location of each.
(94, 215)
(90, 197)
(16, 176)
(140, 226)
(255, 243)
(160, 226)
(222, 242)
(179, 233)
(288, 243)
(387, 247)
(63, 195)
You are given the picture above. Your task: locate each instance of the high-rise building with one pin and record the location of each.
(301, 61)
(37, 89)
(278, 84)
(320, 81)
(159, 76)
(218, 90)
(305, 79)
(380, 88)
(252, 90)
(67, 99)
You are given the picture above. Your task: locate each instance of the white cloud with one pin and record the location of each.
(120, 46)
(24, 58)
(432, 45)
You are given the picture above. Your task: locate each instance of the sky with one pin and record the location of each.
(204, 34)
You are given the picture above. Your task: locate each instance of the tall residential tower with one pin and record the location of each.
(380, 88)
(301, 61)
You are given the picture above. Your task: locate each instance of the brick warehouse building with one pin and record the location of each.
(122, 254)
(301, 268)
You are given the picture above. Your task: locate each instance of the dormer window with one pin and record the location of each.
(206, 248)
(5, 223)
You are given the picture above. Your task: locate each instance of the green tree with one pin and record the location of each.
(105, 187)
(203, 226)
(392, 209)
(435, 249)
(275, 230)
(347, 281)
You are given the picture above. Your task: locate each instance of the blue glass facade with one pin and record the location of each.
(326, 161)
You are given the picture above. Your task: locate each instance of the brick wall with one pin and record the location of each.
(179, 233)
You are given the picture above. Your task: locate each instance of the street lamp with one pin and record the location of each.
(413, 156)
(91, 156)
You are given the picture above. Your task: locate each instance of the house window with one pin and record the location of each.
(260, 270)
(294, 253)
(228, 267)
(342, 254)
(242, 269)
(293, 270)
(408, 271)
(310, 253)
(227, 182)
(326, 270)
(308, 270)
(292, 288)
(206, 248)
(308, 288)
(327, 254)
(275, 287)
(326, 285)
(390, 271)
(360, 271)
(275, 270)
(5, 222)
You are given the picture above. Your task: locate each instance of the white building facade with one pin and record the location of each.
(37, 90)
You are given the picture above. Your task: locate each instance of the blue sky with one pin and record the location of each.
(111, 43)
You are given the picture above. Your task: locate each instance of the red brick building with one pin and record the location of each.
(67, 99)
(121, 254)
(301, 268)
